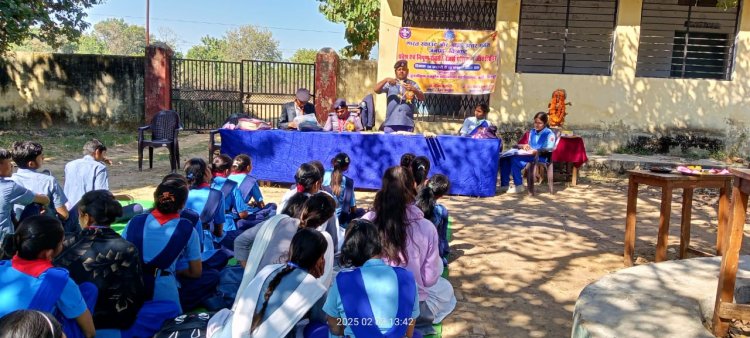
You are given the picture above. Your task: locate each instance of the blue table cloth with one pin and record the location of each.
(471, 164)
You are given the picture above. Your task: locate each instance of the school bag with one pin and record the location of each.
(557, 112)
(192, 325)
(166, 257)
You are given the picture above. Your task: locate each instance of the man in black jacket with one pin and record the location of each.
(298, 107)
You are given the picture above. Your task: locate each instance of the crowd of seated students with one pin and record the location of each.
(303, 267)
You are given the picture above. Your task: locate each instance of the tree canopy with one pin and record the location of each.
(50, 22)
(242, 43)
(304, 55)
(362, 20)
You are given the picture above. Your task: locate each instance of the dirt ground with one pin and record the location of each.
(518, 263)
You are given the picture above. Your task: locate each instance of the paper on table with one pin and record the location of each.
(514, 152)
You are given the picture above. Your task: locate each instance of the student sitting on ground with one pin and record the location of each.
(281, 295)
(90, 173)
(342, 188)
(11, 194)
(437, 186)
(162, 237)
(206, 201)
(29, 281)
(268, 245)
(29, 158)
(30, 323)
(420, 170)
(102, 257)
(234, 204)
(248, 185)
(244, 242)
(371, 291)
(409, 240)
(406, 160)
(309, 180)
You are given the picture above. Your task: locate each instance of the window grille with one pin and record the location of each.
(566, 36)
(687, 39)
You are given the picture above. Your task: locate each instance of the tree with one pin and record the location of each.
(250, 43)
(121, 38)
(304, 55)
(211, 49)
(89, 44)
(362, 20)
(53, 19)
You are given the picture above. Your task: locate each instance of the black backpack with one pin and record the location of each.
(191, 325)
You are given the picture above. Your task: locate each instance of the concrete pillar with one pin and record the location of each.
(326, 68)
(157, 80)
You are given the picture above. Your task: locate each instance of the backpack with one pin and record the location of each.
(192, 325)
(557, 108)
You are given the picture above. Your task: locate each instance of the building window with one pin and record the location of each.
(566, 36)
(453, 14)
(687, 39)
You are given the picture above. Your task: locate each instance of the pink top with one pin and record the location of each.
(422, 248)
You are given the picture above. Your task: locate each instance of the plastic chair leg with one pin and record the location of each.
(151, 157)
(550, 176)
(140, 158)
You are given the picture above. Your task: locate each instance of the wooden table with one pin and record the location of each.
(725, 309)
(572, 151)
(669, 182)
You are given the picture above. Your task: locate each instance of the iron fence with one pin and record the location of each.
(206, 93)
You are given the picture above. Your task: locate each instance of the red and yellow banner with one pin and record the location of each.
(450, 61)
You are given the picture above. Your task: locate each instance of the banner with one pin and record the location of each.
(450, 61)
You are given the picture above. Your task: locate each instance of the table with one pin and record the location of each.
(668, 182)
(724, 308)
(571, 150)
(470, 164)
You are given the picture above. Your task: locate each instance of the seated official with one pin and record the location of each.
(540, 138)
(298, 107)
(473, 122)
(341, 119)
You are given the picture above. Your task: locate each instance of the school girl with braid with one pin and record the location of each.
(279, 296)
(342, 188)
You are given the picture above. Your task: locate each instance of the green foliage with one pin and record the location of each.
(362, 20)
(120, 38)
(211, 49)
(242, 43)
(727, 4)
(304, 55)
(250, 43)
(55, 21)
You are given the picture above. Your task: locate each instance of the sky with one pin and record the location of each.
(294, 23)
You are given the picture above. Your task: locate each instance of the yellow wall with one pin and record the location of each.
(356, 78)
(622, 102)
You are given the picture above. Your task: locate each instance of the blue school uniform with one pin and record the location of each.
(440, 219)
(340, 202)
(544, 139)
(381, 286)
(11, 193)
(196, 201)
(84, 175)
(232, 201)
(254, 191)
(18, 288)
(40, 183)
(155, 239)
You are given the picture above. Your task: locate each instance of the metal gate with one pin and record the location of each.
(206, 93)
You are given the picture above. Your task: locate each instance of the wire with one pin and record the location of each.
(216, 23)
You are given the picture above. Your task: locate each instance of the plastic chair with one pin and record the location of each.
(214, 146)
(164, 128)
(533, 167)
